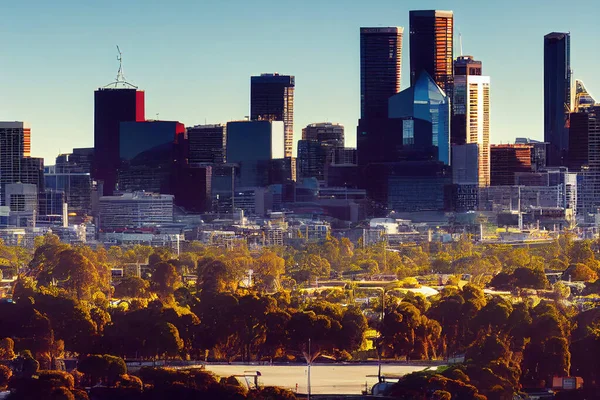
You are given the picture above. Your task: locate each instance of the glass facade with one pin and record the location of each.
(252, 144)
(148, 155)
(431, 46)
(76, 186)
(207, 143)
(272, 99)
(325, 132)
(557, 95)
(425, 111)
(380, 69)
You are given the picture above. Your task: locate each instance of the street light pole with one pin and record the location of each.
(308, 371)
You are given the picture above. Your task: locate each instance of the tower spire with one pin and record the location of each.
(120, 75)
(120, 81)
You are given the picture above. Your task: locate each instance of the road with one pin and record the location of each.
(325, 378)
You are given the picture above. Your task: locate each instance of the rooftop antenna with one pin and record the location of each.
(460, 40)
(120, 76)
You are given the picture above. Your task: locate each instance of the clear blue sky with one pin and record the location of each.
(194, 58)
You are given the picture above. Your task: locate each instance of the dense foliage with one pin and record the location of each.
(65, 303)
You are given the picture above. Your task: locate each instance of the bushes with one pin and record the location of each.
(58, 378)
(5, 374)
(105, 368)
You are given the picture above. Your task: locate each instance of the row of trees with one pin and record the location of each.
(61, 305)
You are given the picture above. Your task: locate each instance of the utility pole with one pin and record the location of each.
(308, 371)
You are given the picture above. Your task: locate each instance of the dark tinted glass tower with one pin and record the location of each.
(380, 66)
(272, 99)
(557, 95)
(207, 143)
(15, 145)
(431, 46)
(111, 107)
(149, 155)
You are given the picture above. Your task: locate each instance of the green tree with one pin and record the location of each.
(132, 287)
(76, 273)
(580, 272)
(269, 267)
(164, 279)
(5, 374)
(7, 347)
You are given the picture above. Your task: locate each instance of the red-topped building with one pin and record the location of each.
(111, 107)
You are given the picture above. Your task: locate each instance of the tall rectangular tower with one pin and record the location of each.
(431, 46)
(557, 95)
(272, 99)
(380, 69)
(111, 107)
(471, 111)
(15, 145)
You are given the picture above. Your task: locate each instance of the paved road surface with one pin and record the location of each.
(325, 378)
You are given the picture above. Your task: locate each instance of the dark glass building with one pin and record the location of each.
(578, 140)
(557, 95)
(252, 145)
(325, 132)
(111, 107)
(15, 146)
(282, 170)
(506, 160)
(193, 191)
(80, 161)
(380, 69)
(32, 171)
(272, 99)
(432, 47)
(149, 155)
(312, 158)
(51, 202)
(77, 187)
(206, 143)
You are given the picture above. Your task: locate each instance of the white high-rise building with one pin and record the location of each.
(471, 111)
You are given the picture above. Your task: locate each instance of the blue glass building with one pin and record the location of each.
(424, 110)
(149, 153)
(252, 145)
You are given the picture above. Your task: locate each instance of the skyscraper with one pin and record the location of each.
(506, 160)
(272, 99)
(431, 46)
(557, 95)
(207, 143)
(380, 69)
(15, 145)
(424, 110)
(149, 153)
(471, 111)
(253, 144)
(326, 133)
(584, 136)
(111, 107)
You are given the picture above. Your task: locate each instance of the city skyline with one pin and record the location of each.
(50, 77)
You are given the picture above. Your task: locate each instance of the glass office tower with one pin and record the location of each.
(272, 99)
(425, 113)
(380, 68)
(431, 46)
(557, 95)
